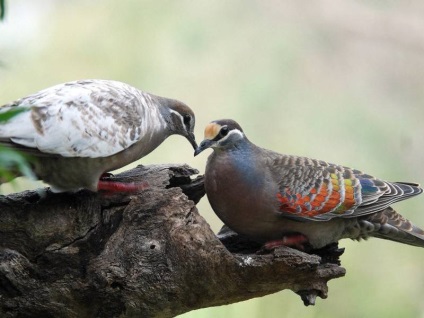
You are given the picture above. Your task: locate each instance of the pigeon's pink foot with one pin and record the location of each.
(296, 241)
(113, 186)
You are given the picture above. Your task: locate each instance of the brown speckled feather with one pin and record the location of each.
(79, 130)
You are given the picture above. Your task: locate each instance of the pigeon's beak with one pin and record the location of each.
(190, 137)
(205, 144)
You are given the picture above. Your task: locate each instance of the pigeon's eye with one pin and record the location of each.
(224, 131)
(187, 119)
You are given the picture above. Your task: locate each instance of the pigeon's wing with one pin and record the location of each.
(316, 190)
(91, 118)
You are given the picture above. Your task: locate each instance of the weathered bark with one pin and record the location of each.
(142, 255)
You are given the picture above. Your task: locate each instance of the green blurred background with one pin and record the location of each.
(341, 81)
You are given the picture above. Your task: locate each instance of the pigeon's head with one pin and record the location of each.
(221, 134)
(180, 119)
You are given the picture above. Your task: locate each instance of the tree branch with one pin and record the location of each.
(143, 255)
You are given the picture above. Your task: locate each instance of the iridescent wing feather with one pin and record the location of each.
(317, 190)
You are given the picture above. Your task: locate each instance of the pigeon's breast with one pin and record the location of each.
(240, 194)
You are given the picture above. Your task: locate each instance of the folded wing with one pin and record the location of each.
(91, 118)
(316, 190)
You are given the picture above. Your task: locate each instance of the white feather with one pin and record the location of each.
(93, 118)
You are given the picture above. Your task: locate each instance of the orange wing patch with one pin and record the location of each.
(324, 201)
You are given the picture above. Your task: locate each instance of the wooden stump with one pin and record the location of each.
(148, 254)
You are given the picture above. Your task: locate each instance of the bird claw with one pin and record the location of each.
(330, 253)
(106, 176)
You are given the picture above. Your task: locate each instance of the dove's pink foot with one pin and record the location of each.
(113, 186)
(296, 241)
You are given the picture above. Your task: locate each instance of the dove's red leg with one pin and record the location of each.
(296, 240)
(107, 185)
(114, 186)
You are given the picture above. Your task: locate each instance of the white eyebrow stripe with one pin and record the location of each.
(177, 113)
(232, 132)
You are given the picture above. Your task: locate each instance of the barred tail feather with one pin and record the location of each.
(390, 225)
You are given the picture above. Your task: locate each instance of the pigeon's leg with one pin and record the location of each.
(114, 186)
(105, 184)
(295, 240)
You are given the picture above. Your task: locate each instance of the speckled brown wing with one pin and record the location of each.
(88, 118)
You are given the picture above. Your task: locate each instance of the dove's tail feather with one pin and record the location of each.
(390, 225)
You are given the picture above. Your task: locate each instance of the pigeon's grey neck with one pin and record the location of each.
(241, 145)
